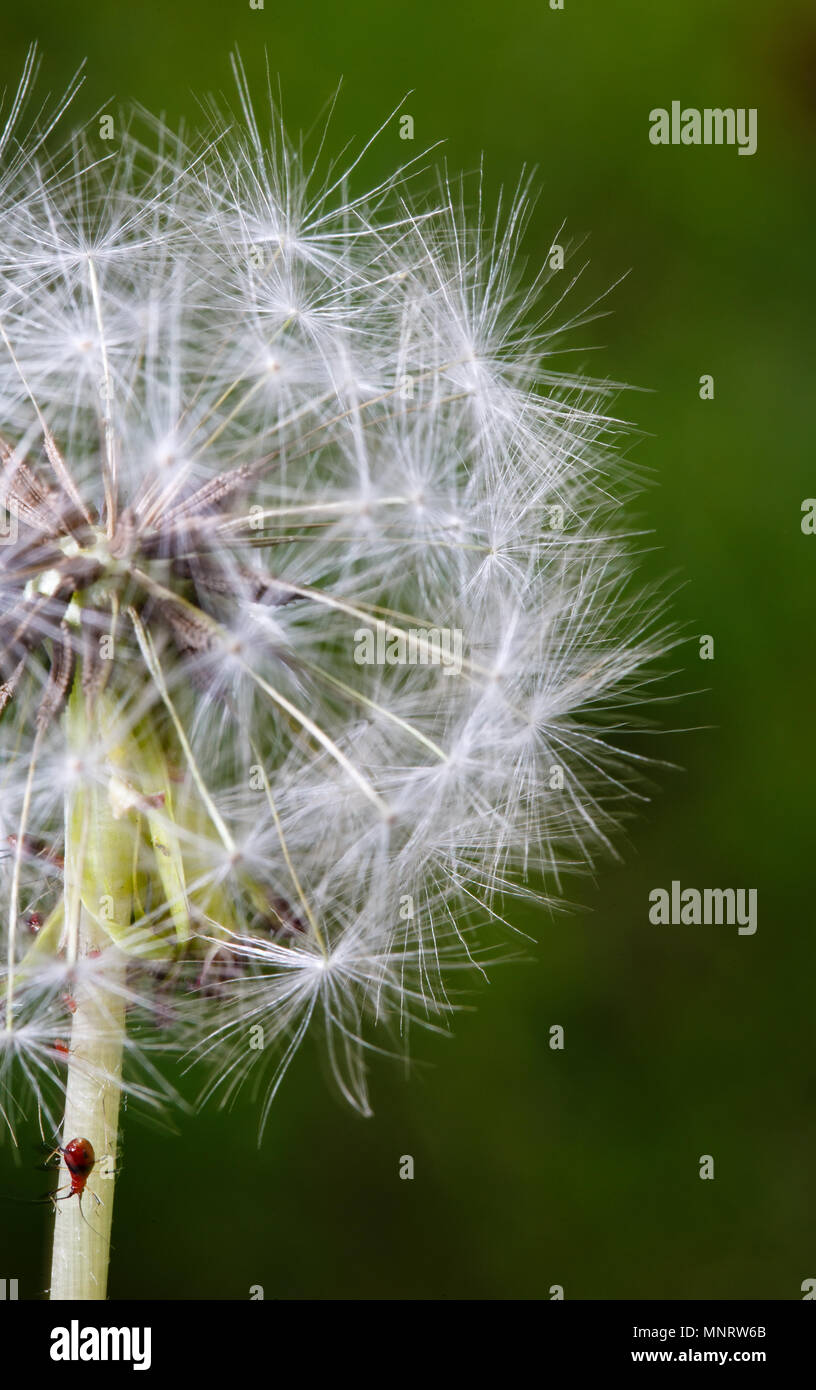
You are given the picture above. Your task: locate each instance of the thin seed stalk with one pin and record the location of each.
(98, 903)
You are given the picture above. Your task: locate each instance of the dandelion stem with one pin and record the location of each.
(82, 1229)
(81, 1250)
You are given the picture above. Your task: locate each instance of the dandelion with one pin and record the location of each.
(248, 421)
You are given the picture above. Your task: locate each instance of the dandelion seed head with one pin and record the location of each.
(316, 570)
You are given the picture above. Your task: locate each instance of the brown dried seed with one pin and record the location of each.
(59, 679)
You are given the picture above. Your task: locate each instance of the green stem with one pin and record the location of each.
(98, 883)
(81, 1252)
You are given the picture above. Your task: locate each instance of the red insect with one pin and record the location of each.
(79, 1160)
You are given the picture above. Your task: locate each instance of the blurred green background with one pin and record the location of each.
(537, 1167)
